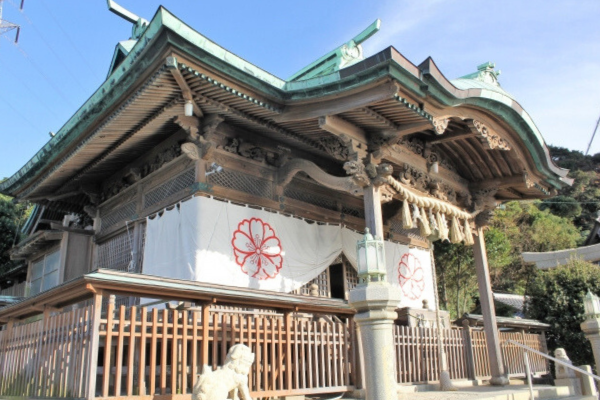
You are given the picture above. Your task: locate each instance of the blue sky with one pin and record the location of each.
(548, 52)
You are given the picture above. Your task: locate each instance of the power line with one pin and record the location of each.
(41, 72)
(65, 66)
(89, 65)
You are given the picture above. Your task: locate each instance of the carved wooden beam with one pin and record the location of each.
(351, 137)
(339, 127)
(258, 121)
(352, 184)
(517, 180)
(452, 137)
(490, 139)
(186, 92)
(383, 91)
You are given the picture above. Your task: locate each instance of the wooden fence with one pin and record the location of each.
(417, 354)
(144, 352)
(46, 357)
(294, 354)
(17, 290)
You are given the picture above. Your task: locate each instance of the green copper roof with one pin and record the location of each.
(479, 89)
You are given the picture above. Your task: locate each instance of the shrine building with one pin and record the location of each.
(196, 201)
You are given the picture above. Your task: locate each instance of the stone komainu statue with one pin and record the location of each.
(228, 381)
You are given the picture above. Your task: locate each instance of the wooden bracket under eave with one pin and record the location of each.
(186, 92)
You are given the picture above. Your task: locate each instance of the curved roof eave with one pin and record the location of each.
(503, 106)
(422, 80)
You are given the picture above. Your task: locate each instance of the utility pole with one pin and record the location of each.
(6, 26)
(591, 140)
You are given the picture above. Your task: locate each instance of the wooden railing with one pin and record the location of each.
(56, 345)
(47, 357)
(17, 290)
(294, 354)
(513, 355)
(417, 354)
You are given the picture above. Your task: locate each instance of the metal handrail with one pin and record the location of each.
(527, 370)
(582, 371)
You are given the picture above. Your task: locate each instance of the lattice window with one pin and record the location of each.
(310, 198)
(351, 276)
(115, 253)
(355, 212)
(396, 226)
(241, 182)
(120, 214)
(169, 188)
(322, 281)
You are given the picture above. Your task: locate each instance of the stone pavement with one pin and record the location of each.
(511, 392)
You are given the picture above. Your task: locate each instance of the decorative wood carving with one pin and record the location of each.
(484, 199)
(210, 124)
(191, 125)
(440, 125)
(334, 147)
(191, 151)
(418, 146)
(490, 139)
(352, 184)
(135, 174)
(483, 218)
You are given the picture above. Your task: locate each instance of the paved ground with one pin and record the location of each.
(516, 392)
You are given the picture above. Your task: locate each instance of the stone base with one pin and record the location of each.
(588, 386)
(573, 384)
(499, 381)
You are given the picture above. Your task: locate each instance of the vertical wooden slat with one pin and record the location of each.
(288, 350)
(153, 351)
(215, 340)
(131, 350)
(184, 351)
(174, 347)
(205, 328)
(119, 351)
(108, 345)
(163, 352)
(194, 347)
(265, 357)
(142, 352)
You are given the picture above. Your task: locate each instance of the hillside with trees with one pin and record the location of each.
(561, 222)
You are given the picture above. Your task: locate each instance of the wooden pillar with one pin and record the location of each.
(373, 214)
(469, 353)
(94, 343)
(376, 303)
(487, 310)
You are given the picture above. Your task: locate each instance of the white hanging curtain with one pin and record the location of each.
(217, 242)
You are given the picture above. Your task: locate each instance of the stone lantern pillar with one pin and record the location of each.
(375, 301)
(591, 325)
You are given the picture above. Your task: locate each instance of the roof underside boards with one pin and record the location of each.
(383, 92)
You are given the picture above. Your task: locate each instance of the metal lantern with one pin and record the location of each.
(591, 304)
(370, 258)
(188, 109)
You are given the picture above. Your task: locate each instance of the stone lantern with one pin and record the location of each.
(591, 325)
(375, 301)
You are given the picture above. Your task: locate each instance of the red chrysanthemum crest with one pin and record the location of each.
(257, 249)
(411, 276)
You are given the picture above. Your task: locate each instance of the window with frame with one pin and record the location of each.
(44, 273)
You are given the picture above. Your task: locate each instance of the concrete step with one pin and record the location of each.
(486, 392)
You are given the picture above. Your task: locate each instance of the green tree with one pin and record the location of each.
(557, 299)
(12, 217)
(515, 228)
